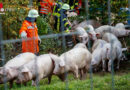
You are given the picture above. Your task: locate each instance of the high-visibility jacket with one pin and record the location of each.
(46, 6)
(32, 31)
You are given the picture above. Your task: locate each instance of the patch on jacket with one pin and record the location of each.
(30, 27)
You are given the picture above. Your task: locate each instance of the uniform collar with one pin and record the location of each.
(30, 19)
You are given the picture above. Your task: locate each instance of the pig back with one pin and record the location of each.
(76, 56)
(20, 59)
(45, 64)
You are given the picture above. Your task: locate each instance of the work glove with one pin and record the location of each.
(39, 40)
(23, 34)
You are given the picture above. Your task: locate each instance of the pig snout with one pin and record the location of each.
(54, 72)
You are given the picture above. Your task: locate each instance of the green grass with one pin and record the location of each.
(101, 81)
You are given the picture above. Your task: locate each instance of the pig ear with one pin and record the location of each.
(25, 70)
(53, 57)
(62, 63)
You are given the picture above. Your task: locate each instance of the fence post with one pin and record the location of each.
(63, 43)
(109, 23)
(89, 45)
(2, 51)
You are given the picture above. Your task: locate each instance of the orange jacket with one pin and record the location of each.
(32, 31)
(46, 6)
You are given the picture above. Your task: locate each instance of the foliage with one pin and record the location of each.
(15, 13)
(17, 10)
(98, 9)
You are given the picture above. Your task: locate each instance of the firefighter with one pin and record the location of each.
(29, 30)
(46, 7)
(62, 9)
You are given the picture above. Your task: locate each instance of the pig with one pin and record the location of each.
(82, 35)
(116, 51)
(111, 38)
(98, 43)
(80, 45)
(35, 70)
(9, 70)
(100, 53)
(72, 61)
(84, 24)
(92, 34)
(120, 25)
(103, 29)
(120, 31)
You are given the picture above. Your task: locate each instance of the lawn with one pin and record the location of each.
(101, 81)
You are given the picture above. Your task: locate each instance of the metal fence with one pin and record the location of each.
(11, 48)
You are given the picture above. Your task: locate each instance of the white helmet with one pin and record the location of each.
(66, 6)
(33, 13)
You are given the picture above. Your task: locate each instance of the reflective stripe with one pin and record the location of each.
(72, 7)
(56, 14)
(76, 3)
(64, 19)
(66, 24)
(30, 27)
(59, 9)
(44, 11)
(58, 25)
(60, 3)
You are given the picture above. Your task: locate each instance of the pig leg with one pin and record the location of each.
(10, 84)
(25, 84)
(109, 65)
(81, 74)
(36, 81)
(49, 79)
(119, 58)
(33, 83)
(75, 72)
(103, 65)
(118, 63)
(62, 77)
(85, 69)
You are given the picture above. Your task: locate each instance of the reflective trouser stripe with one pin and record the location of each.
(66, 24)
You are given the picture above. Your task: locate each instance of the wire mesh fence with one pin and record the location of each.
(56, 44)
